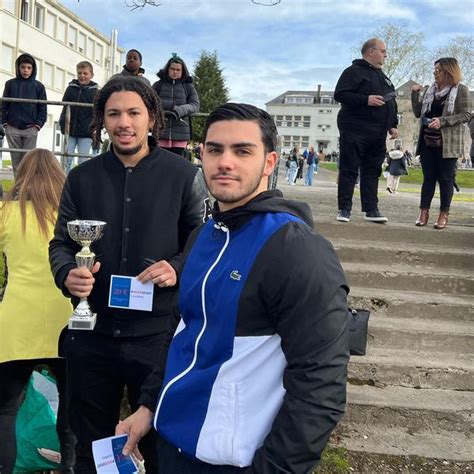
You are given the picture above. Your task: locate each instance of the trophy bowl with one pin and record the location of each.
(84, 232)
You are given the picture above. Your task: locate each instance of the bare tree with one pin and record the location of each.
(140, 4)
(462, 48)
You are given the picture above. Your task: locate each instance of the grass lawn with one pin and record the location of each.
(465, 179)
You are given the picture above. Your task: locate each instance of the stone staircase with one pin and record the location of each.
(413, 394)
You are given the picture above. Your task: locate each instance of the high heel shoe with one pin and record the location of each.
(423, 218)
(442, 221)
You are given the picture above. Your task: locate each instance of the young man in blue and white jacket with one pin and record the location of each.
(255, 378)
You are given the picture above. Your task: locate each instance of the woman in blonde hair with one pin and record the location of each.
(33, 311)
(444, 108)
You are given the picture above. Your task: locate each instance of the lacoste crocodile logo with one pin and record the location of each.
(235, 275)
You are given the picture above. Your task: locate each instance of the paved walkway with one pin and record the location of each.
(402, 207)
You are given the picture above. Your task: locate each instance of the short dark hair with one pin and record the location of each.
(245, 112)
(124, 84)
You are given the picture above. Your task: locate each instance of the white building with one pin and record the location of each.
(306, 118)
(58, 39)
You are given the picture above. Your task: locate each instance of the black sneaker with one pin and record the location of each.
(343, 215)
(375, 216)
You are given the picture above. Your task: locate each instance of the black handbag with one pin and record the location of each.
(432, 138)
(358, 331)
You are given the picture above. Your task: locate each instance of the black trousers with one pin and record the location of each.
(173, 462)
(364, 152)
(99, 367)
(436, 169)
(14, 376)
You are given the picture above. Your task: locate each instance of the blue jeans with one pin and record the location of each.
(293, 172)
(308, 180)
(83, 148)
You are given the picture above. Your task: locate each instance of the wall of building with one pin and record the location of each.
(58, 40)
(305, 125)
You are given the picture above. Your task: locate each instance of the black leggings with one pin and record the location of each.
(14, 376)
(436, 169)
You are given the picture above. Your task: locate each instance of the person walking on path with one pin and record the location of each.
(396, 167)
(293, 166)
(311, 160)
(443, 109)
(368, 111)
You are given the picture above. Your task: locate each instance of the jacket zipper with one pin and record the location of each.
(224, 229)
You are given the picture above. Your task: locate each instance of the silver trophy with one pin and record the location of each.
(84, 233)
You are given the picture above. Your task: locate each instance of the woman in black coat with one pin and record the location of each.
(179, 100)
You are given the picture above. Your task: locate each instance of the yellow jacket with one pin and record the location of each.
(33, 311)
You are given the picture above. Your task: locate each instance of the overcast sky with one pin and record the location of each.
(264, 50)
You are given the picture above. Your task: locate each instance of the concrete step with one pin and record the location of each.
(421, 335)
(418, 256)
(414, 412)
(408, 304)
(413, 369)
(402, 235)
(408, 278)
(399, 442)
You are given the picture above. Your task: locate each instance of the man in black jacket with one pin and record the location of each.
(255, 377)
(21, 121)
(368, 111)
(151, 202)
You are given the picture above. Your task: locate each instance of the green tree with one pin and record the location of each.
(210, 85)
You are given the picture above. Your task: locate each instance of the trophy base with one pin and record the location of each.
(85, 323)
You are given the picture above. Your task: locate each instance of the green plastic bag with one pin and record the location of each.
(36, 426)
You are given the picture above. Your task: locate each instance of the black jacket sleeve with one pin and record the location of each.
(192, 102)
(309, 301)
(346, 87)
(42, 111)
(62, 248)
(192, 215)
(67, 97)
(152, 385)
(5, 105)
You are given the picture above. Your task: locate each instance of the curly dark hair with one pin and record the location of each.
(148, 95)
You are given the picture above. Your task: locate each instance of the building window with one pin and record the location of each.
(286, 143)
(24, 10)
(81, 43)
(59, 79)
(70, 77)
(400, 119)
(99, 53)
(7, 58)
(90, 47)
(278, 123)
(401, 93)
(279, 117)
(48, 74)
(325, 100)
(50, 24)
(72, 37)
(39, 17)
(62, 28)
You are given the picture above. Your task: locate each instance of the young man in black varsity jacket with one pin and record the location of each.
(255, 379)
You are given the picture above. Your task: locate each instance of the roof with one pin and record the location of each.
(280, 99)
